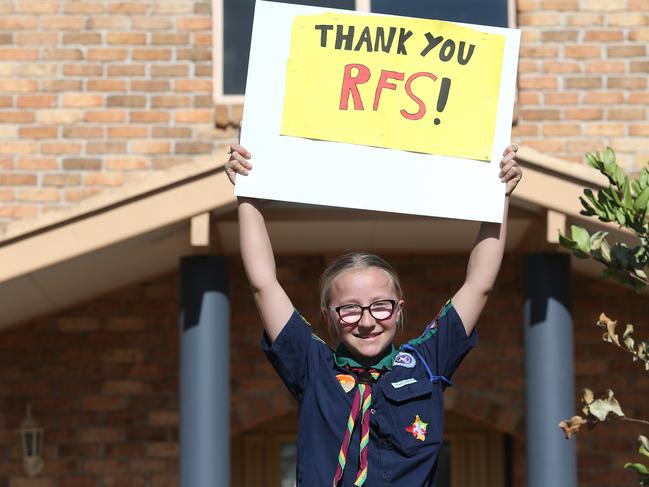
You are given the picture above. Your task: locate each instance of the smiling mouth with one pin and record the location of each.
(367, 337)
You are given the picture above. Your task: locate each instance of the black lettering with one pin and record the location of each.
(385, 44)
(432, 42)
(366, 39)
(347, 38)
(447, 50)
(403, 37)
(460, 55)
(324, 30)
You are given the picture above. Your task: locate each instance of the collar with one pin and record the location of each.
(343, 358)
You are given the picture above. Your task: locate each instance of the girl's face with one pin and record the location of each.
(369, 337)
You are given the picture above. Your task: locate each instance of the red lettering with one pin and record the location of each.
(422, 106)
(383, 83)
(350, 85)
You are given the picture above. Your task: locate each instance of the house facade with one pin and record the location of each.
(115, 118)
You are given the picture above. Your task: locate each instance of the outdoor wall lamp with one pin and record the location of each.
(31, 438)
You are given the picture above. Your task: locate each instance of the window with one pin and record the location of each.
(233, 27)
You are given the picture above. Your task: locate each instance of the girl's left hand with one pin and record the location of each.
(510, 171)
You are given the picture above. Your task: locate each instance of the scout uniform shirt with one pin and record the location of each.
(406, 412)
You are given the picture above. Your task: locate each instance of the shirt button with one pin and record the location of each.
(372, 411)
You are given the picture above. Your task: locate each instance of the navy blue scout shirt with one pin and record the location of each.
(407, 415)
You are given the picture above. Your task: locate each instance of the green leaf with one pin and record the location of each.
(593, 161)
(605, 249)
(627, 198)
(587, 208)
(619, 176)
(581, 238)
(612, 195)
(572, 245)
(641, 201)
(620, 216)
(643, 473)
(609, 157)
(644, 445)
(599, 247)
(567, 243)
(644, 178)
(597, 239)
(640, 468)
(635, 186)
(622, 255)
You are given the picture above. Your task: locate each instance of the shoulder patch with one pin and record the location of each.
(404, 359)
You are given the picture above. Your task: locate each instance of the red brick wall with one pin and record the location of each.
(583, 77)
(95, 94)
(103, 376)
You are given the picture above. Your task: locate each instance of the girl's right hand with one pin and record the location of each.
(238, 162)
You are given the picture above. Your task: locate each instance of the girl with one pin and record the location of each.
(370, 413)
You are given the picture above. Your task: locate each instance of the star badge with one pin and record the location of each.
(418, 429)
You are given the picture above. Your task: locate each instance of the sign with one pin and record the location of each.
(395, 82)
(376, 112)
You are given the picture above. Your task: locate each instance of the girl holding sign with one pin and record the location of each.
(370, 413)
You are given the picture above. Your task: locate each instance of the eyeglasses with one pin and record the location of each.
(350, 314)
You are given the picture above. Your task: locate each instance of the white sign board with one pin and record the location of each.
(320, 172)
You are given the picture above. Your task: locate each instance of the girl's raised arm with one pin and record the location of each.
(487, 254)
(272, 302)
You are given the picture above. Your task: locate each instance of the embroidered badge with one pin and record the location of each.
(404, 382)
(418, 429)
(347, 382)
(404, 359)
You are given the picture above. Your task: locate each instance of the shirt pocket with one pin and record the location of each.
(413, 417)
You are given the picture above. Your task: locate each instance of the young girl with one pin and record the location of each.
(370, 413)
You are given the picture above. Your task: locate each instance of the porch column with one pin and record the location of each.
(204, 372)
(549, 370)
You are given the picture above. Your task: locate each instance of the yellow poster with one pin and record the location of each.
(411, 84)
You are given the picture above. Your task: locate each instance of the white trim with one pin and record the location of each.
(217, 50)
(511, 14)
(363, 5)
(218, 58)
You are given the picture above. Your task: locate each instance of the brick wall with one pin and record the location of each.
(96, 93)
(103, 376)
(583, 77)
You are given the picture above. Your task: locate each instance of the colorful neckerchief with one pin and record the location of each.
(361, 403)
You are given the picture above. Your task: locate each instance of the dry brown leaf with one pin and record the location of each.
(610, 325)
(571, 426)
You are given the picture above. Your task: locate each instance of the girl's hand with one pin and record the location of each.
(238, 162)
(510, 171)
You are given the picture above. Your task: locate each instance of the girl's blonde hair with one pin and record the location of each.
(350, 262)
